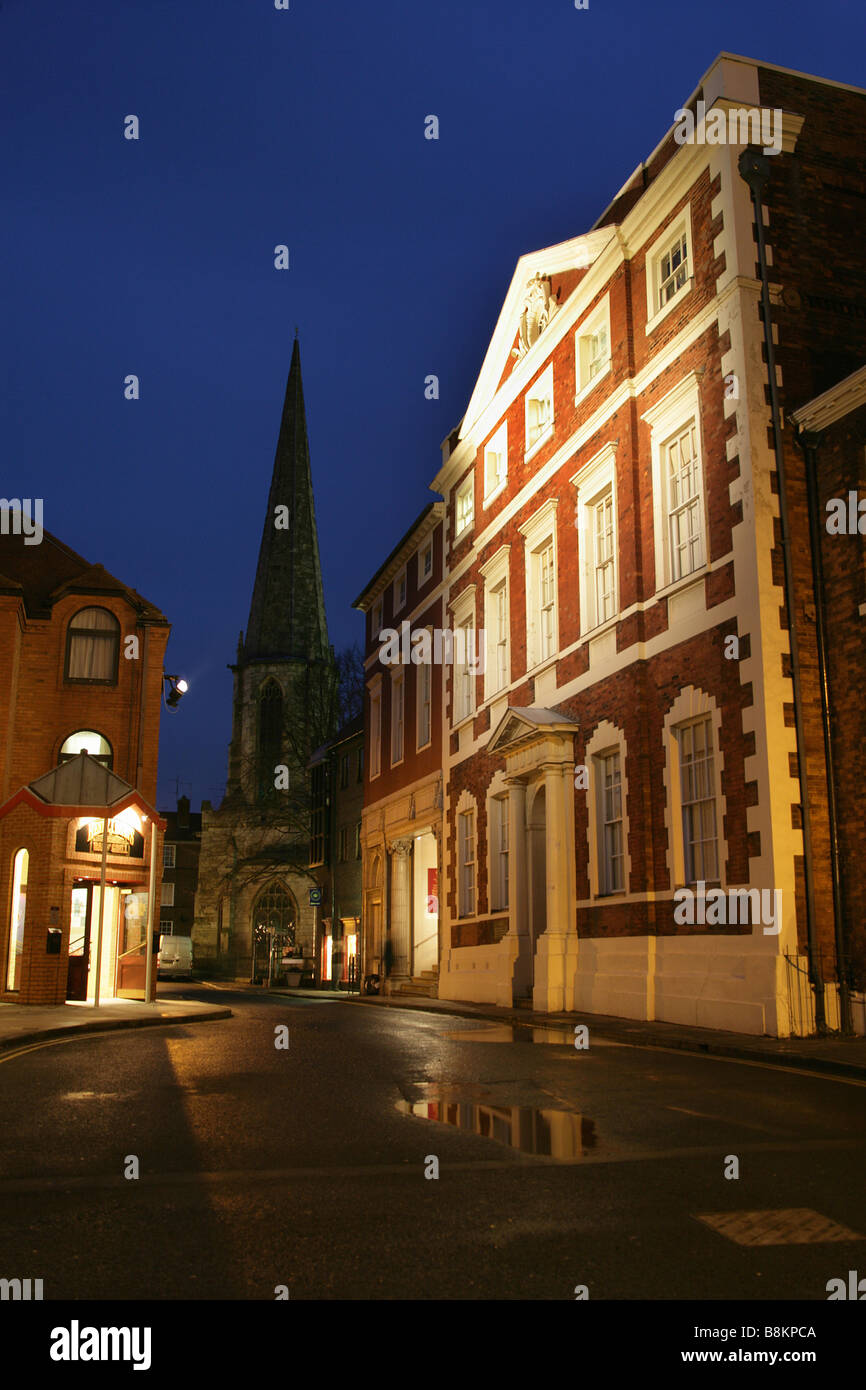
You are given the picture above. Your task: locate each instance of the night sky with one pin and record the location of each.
(304, 127)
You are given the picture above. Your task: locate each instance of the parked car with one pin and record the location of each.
(174, 961)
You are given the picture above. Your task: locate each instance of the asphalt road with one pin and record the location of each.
(305, 1166)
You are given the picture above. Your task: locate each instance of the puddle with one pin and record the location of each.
(517, 1032)
(558, 1134)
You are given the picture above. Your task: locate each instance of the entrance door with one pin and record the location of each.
(79, 942)
(131, 977)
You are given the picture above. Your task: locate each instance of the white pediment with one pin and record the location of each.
(518, 725)
(528, 310)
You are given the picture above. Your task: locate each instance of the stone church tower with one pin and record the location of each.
(255, 847)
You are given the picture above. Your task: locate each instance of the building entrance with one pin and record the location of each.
(123, 963)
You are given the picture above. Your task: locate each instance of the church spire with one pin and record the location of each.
(287, 612)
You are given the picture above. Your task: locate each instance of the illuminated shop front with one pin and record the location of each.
(80, 863)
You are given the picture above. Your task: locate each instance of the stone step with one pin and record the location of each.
(418, 987)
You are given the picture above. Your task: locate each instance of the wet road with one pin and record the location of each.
(305, 1165)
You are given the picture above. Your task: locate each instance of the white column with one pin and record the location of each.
(519, 941)
(401, 899)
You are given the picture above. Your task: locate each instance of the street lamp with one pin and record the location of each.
(177, 687)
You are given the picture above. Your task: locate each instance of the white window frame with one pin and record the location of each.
(462, 675)
(398, 716)
(497, 836)
(169, 855)
(541, 390)
(706, 872)
(496, 580)
(691, 705)
(375, 689)
(667, 419)
(377, 620)
(465, 490)
(595, 480)
(424, 701)
(467, 863)
(495, 463)
(539, 533)
(594, 324)
(425, 562)
(664, 243)
(608, 792)
(606, 738)
(167, 894)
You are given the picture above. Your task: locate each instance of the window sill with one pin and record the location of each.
(662, 313)
(688, 581)
(491, 496)
(599, 629)
(588, 386)
(541, 666)
(458, 535)
(542, 440)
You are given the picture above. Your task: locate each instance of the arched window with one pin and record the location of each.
(92, 646)
(89, 741)
(274, 912)
(270, 735)
(20, 867)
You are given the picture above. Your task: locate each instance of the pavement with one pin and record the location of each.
(29, 1023)
(834, 1055)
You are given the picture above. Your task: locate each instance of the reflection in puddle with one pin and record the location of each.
(550, 1133)
(507, 1033)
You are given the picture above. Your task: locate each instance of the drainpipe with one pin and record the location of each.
(755, 170)
(809, 443)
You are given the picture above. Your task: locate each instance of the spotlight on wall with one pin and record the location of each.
(177, 687)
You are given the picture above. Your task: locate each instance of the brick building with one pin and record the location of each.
(403, 786)
(180, 855)
(81, 681)
(638, 814)
(337, 798)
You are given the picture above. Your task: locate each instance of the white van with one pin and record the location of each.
(175, 957)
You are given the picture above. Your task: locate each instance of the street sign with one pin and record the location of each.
(315, 897)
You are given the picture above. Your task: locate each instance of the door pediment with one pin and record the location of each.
(528, 736)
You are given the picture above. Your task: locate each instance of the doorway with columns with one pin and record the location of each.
(537, 746)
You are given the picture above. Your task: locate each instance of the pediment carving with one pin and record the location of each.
(539, 307)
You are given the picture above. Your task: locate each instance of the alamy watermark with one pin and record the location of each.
(719, 907)
(462, 647)
(740, 125)
(22, 517)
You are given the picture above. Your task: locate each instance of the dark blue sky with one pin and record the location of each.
(305, 127)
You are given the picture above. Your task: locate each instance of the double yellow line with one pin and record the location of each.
(10, 1054)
